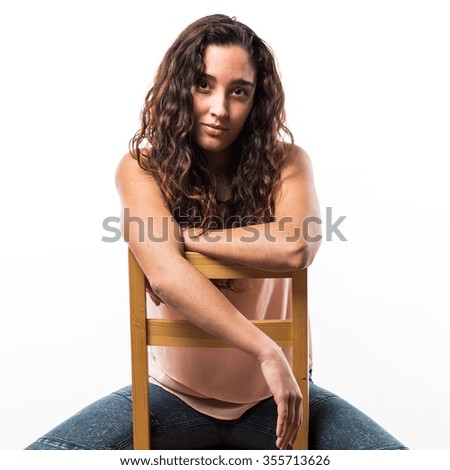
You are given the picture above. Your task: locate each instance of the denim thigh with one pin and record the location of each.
(104, 424)
(335, 424)
(107, 424)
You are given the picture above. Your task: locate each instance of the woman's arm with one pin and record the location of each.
(153, 236)
(290, 242)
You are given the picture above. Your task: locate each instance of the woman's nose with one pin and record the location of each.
(219, 105)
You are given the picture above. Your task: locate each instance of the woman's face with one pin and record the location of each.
(222, 98)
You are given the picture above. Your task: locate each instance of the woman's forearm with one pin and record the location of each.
(186, 290)
(276, 246)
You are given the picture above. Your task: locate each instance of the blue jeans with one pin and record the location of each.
(106, 424)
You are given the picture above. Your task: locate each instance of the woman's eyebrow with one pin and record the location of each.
(235, 81)
(243, 82)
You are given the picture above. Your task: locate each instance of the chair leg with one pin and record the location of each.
(300, 364)
(139, 355)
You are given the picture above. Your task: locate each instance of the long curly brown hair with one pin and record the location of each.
(164, 144)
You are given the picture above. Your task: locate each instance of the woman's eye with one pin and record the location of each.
(239, 92)
(202, 85)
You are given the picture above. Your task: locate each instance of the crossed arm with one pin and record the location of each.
(183, 288)
(290, 242)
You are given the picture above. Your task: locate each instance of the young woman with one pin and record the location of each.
(212, 159)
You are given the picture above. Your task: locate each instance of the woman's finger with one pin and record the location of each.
(281, 423)
(292, 417)
(294, 405)
(298, 421)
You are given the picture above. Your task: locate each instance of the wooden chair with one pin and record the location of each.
(146, 332)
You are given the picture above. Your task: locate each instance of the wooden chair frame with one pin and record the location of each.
(146, 332)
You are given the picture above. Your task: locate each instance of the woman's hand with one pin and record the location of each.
(286, 393)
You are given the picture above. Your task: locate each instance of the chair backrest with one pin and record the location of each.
(157, 332)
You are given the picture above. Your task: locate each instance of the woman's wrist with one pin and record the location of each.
(269, 350)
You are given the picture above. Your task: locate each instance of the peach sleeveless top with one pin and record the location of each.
(221, 382)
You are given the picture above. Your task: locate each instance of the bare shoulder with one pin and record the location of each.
(134, 183)
(298, 160)
(128, 167)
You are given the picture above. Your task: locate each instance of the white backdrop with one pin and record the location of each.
(367, 97)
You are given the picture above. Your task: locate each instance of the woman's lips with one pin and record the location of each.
(214, 130)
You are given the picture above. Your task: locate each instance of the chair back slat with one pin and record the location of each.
(184, 333)
(213, 268)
